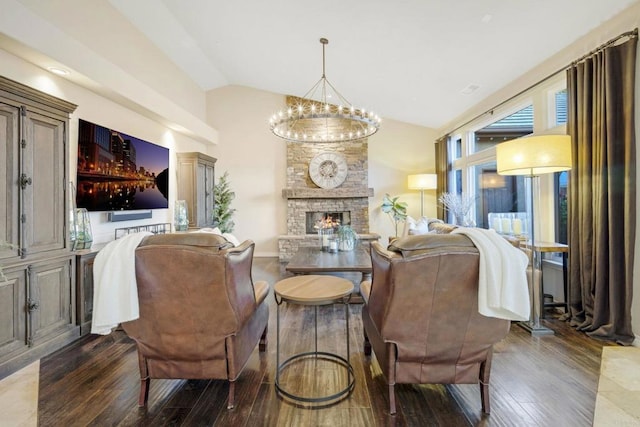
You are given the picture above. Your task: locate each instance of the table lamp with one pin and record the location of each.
(532, 156)
(423, 181)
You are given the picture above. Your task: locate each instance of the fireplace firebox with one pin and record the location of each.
(313, 218)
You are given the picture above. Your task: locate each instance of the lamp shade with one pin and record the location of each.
(534, 155)
(423, 181)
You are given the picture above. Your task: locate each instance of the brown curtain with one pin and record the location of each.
(442, 171)
(602, 188)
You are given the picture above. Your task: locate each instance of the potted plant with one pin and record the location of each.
(222, 210)
(396, 210)
(347, 238)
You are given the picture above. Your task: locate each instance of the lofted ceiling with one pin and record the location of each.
(418, 61)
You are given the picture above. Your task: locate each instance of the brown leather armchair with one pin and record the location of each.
(421, 314)
(201, 314)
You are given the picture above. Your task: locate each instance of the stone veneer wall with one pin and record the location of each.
(303, 195)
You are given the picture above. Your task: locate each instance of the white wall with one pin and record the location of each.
(256, 162)
(396, 151)
(99, 110)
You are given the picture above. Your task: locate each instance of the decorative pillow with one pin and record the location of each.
(442, 228)
(230, 237)
(421, 226)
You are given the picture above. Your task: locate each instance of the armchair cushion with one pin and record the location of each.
(435, 243)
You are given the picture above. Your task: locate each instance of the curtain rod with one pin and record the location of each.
(630, 34)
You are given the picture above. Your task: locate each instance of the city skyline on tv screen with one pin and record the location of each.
(117, 171)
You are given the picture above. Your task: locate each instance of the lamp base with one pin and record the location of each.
(536, 330)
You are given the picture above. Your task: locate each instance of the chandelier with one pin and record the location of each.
(323, 115)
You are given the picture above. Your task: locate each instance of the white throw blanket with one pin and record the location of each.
(503, 291)
(115, 290)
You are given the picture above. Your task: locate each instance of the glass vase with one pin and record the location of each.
(73, 219)
(82, 229)
(180, 218)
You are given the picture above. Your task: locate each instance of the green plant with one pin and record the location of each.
(396, 210)
(222, 211)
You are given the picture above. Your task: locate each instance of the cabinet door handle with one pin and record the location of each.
(32, 305)
(24, 181)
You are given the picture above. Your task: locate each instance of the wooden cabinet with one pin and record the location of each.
(195, 185)
(37, 294)
(12, 314)
(84, 288)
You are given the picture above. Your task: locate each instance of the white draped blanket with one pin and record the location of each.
(115, 290)
(503, 291)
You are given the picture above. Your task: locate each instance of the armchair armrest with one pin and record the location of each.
(365, 290)
(240, 248)
(261, 290)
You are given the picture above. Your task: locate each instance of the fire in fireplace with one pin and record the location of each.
(312, 218)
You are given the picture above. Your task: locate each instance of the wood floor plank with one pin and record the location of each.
(535, 381)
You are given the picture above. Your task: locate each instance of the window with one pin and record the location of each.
(541, 109)
(560, 107)
(560, 188)
(496, 193)
(513, 126)
(457, 148)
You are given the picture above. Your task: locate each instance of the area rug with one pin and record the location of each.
(19, 397)
(618, 399)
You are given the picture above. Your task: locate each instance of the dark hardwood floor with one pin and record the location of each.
(543, 381)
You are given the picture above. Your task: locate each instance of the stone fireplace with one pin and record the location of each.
(306, 202)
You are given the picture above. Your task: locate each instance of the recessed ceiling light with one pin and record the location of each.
(58, 71)
(470, 89)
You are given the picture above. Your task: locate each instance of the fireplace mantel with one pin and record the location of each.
(321, 193)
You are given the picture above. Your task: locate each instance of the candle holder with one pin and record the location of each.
(333, 245)
(325, 234)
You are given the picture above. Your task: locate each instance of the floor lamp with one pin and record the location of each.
(531, 157)
(423, 181)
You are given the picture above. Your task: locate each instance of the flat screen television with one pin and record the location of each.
(119, 172)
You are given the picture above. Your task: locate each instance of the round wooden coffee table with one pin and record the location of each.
(314, 290)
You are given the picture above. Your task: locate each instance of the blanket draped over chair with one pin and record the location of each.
(115, 294)
(503, 291)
